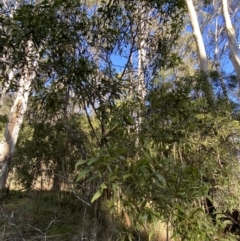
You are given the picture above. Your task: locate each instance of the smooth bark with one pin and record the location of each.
(207, 88)
(197, 36)
(7, 145)
(232, 40)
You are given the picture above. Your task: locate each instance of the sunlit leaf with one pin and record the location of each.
(97, 195)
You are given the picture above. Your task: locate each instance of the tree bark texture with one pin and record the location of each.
(15, 119)
(142, 58)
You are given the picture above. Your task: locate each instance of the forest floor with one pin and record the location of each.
(58, 216)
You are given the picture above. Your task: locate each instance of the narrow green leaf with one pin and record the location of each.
(122, 158)
(97, 195)
(150, 235)
(92, 160)
(109, 168)
(79, 163)
(103, 186)
(114, 187)
(126, 176)
(83, 173)
(90, 179)
(161, 179)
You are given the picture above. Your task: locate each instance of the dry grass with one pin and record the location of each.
(40, 214)
(51, 216)
(162, 232)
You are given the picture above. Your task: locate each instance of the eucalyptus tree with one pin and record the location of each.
(232, 39)
(26, 69)
(45, 58)
(200, 48)
(63, 52)
(38, 53)
(198, 36)
(213, 27)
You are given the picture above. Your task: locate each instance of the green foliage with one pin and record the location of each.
(48, 148)
(152, 159)
(183, 142)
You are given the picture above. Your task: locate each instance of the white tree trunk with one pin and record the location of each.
(142, 53)
(198, 36)
(142, 58)
(7, 145)
(207, 89)
(3, 93)
(234, 56)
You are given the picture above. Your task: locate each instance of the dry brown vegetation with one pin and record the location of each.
(51, 216)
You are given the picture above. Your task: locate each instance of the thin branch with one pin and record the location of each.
(90, 123)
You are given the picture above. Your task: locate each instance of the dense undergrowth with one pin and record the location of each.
(60, 216)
